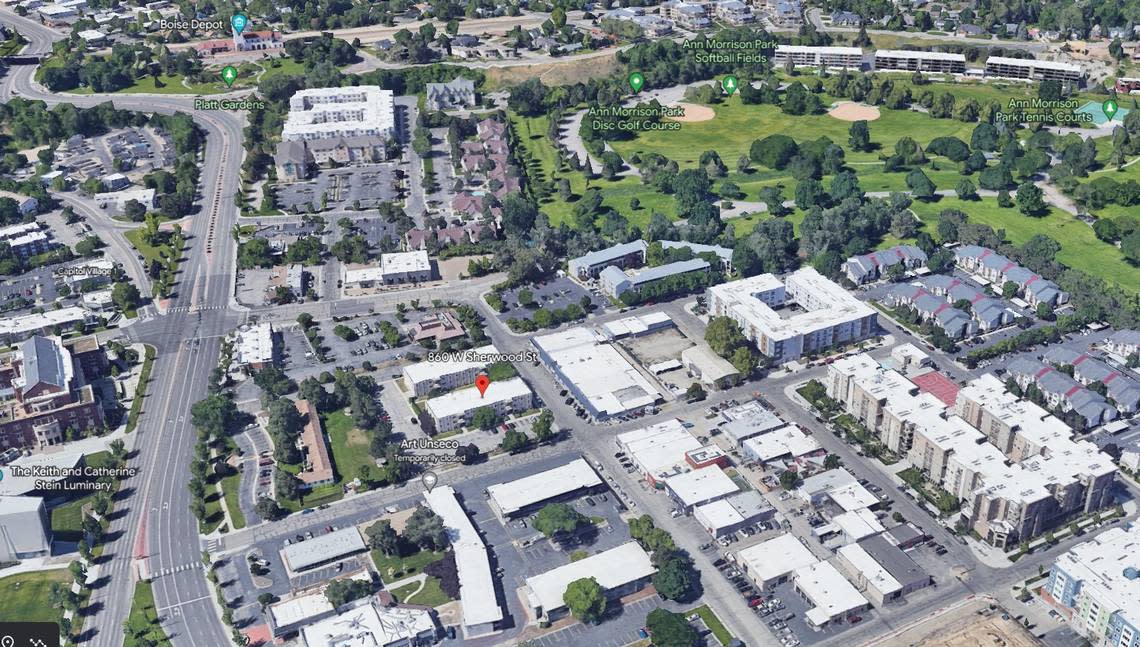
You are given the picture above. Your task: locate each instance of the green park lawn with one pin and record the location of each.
(173, 84)
(143, 619)
(26, 596)
(1080, 248)
(231, 491)
(348, 444)
(397, 568)
(67, 518)
(149, 252)
(431, 595)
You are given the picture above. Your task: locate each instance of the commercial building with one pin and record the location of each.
(772, 562)
(1096, 584)
(1031, 69)
(838, 486)
(625, 255)
(256, 346)
(458, 371)
(619, 571)
(691, 489)
(394, 269)
(25, 529)
(914, 61)
(833, 597)
(614, 282)
(827, 316)
(438, 326)
(323, 549)
(14, 329)
(601, 379)
(708, 367)
(481, 609)
(636, 326)
(998, 269)
(43, 392)
(353, 111)
(116, 201)
(747, 420)
(868, 267)
(367, 623)
(730, 514)
(317, 465)
(818, 56)
(658, 450)
(524, 495)
(852, 526)
(457, 93)
(294, 612)
(454, 410)
(881, 570)
(788, 441)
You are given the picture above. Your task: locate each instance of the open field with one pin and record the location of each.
(566, 72)
(348, 445)
(26, 596)
(1080, 248)
(969, 626)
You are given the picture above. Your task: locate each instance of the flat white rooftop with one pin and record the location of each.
(699, 486)
(785, 441)
(874, 572)
(1030, 62)
(830, 592)
(609, 383)
(425, 371)
(370, 625)
(512, 496)
(476, 582)
(461, 401)
(323, 548)
(255, 344)
(659, 448)
(33, 322)
(612, 569)
(318, 113)
(858, 524)
(776, 557)
(930, 56)
(405, 262)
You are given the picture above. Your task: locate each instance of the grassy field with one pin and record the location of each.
(26, 596)
(148, 251)
(541, 167)
(214, 514)
(430, 596)
(67, 518)
(173, 84)
(143, 620)
(349, 445)
(278, 66)
(231, 491)
(401, 567)
(1080, 248)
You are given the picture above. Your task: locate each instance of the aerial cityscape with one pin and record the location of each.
(586, 324)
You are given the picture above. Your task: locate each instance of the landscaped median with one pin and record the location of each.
(140, 390)
(142, 626)
(713, 623)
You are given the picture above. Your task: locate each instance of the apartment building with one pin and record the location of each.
(998, 269)
(1095, 586)
(914, 61)
(1032, 70)
(819, 56)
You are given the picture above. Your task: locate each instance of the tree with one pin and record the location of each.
(126, 296)
(286, 485)
(1030, 199)
(586, 600)
(266, 599)
(675, 576)
(268, 509)
(859, 136)
(695, 392)
(341, 592)
(543, 426)
(382, 537)
(484, 418)
(514, 441)
(920, 185)
(1130, 245)
(669, 629)
(426, 530)
(831, 461)
(469, 453)
(966, 190)
(558, 519)
(789, 480)
(723, 335)
(773, 151)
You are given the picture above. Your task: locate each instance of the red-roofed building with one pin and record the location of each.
(937, 385)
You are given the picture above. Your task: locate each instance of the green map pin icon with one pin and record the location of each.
(229, 75)
(1109, 108)
(729, 83)
(636, 80)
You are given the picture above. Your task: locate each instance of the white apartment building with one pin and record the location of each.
(910, 61)
(1032, 69)
(1096, 587)
(323, 113)
(819, 56)
(460, 370)
(827, 315)
(453, 410)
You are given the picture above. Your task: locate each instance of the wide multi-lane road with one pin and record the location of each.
(153, 530)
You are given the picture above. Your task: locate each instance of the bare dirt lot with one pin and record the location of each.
(693, 113)
(965, 627)
(849, 111)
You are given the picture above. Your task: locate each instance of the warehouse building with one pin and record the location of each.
(828, 315)
(852, 526)
(480, 606)
(788, 441)
(711, 369)
(424, 377)
(728, 515)
(691, 489)
(619, 571)
(323, 549)
(818, 56)
(636, 326)
(772, 562)
(1031, 69)
(522, 496)
(25, 529)
(454, 410)
(914, 61)
(747, 420)
(598, 376)
(881, 570)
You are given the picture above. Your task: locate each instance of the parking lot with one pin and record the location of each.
(554, 294)
(622, 629)
(356, 187)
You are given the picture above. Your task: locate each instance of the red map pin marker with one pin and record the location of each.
(481, 383)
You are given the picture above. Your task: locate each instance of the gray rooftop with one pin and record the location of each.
(895, 561)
